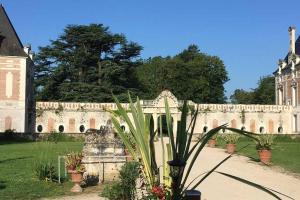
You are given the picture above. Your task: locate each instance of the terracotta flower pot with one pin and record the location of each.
(76, 179)
(212, 143)
(230, 148)
(265, 156)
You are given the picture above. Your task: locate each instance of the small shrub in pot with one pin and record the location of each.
(231, 140)
(264, 147)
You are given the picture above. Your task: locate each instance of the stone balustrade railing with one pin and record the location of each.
(202, 107)
(241, 107)
(78, 106)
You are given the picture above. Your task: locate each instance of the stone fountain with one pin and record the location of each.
(102, 151)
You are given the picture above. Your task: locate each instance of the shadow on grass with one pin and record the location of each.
(2, 185)
(6, 142)
(254, 159)
(13, 159)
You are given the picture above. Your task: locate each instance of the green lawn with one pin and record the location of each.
(285, 152)
(17, 179)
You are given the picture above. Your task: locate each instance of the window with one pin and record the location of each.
(204, 129)
(280, 129)
(81, 128)
(61, 128)
(261, 129)
(39, 128)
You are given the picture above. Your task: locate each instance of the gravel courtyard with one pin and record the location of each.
(217, 186)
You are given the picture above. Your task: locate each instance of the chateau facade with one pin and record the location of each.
(16, 80)
(18, 111)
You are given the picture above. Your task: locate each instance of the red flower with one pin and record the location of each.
(159, 191)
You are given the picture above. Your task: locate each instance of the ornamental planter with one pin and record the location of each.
(265, 156)
(76, 179)
(230, 148)
(212, 143)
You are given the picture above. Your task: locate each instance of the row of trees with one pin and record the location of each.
(87, 63)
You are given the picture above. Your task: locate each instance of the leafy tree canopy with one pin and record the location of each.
(86, 63)
(190, 75)
(263, 94)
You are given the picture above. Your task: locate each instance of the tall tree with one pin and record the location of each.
(189, 75)
(86, 63)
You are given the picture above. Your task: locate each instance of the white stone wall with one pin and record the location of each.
(93, 115)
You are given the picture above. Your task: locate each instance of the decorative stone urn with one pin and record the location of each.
(103, 152)
(76, 179)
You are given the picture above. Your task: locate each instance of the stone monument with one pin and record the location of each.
(103, 153)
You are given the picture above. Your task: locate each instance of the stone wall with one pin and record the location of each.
(78, 117)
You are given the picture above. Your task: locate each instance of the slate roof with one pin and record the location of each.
(10, 43)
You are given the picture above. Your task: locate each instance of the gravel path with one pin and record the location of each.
(217, 187)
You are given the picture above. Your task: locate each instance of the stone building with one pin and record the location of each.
(287, 79)
(16, 80)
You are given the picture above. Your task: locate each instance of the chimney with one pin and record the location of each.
(292, 31)
(27, 48)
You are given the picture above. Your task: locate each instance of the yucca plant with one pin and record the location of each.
(141, 128)
(181, 148)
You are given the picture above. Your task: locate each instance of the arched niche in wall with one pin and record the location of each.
(61, 128)
(81, 128)
(271, 126)
(280, 129)
(261, 129)
(8, 123)
(39, 128)
(233, 123)
(205, 129)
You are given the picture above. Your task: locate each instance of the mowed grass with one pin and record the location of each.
(17, 160)
(285, 151)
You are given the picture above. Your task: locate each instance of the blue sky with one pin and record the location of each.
(248, 35)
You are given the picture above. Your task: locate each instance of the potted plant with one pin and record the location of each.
(75, 169)
(264, 147)
(212, 142)
(231, 140)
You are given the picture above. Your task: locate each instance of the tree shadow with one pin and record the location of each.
(2, 185)
(12, 159)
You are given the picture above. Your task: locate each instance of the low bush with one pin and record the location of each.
(45, 171)
(125, 188)
(61, 137)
